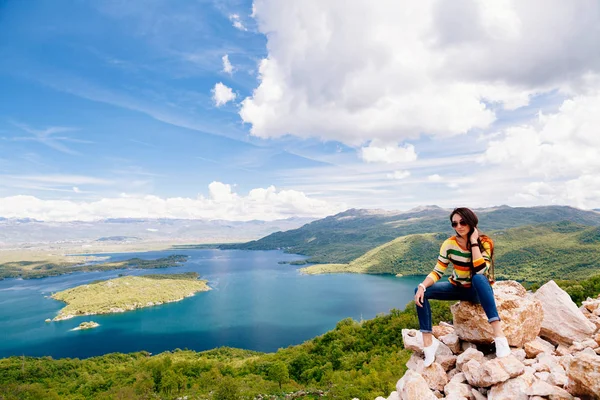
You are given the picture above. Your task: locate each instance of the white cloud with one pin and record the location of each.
(227, 67)
(560, 145)
(434, 178)
(356, 71)
(59, 179)
(221, 203)
(378, 152)
(399, 175)
(76, 189)
(222, 94)
(237, 22)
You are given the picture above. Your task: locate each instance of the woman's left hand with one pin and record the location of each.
(474, 235)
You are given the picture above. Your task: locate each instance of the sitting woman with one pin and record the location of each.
(471, 256)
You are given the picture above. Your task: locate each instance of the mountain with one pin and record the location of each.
(532, 253)
(346, 236)
(15, 231)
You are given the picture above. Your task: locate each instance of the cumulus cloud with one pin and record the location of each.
(222, 94)
(227, 67)
(221, 203)
(434, 178)
(378, 152)
(562, 145)
(356, 71)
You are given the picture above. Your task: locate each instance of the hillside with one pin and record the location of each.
(531, 253)
(355, 359)
(346, 236)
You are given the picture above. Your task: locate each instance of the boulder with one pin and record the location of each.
(512, 389)
(537, 346)
(458, 389)
(541, 388)
(435, 376)
(452, 341)
(521, 316)
(413, 386)
(442, 330)
(470, 354)
(563, 322)
(584, 375)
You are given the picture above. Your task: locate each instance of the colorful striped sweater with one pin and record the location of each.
(452, 252)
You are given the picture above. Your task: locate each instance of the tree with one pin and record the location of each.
(278, 372)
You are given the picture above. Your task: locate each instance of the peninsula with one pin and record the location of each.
(127, 293)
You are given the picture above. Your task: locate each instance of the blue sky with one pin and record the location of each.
(108, 108)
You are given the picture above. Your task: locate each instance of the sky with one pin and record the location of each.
(271, 109)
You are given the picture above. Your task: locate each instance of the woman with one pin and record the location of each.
(471, 256)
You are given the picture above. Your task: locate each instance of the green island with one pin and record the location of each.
(32, 269)
(86, 325)
(355, 359)
(127, 293)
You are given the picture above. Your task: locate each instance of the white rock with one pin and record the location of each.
(563, 323)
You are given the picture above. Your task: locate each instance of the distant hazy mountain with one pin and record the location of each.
(123, 229)
(348, 235)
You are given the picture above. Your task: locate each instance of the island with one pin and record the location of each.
(43, 269)
(86, 325)
(127, 293)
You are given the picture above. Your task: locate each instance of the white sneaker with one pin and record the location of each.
(430, 353)
(502, 347)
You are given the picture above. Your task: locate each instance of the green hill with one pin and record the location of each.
(532, 253)
(346, 236)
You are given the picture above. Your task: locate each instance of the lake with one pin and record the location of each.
(256, 303)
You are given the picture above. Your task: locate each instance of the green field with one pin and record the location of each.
(127, 293)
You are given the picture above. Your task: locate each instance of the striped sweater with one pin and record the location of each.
(452, 252)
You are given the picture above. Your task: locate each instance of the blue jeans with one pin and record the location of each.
(480, 292)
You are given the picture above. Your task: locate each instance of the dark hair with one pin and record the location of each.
(471, 219)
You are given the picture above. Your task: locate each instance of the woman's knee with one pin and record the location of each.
(479, 278)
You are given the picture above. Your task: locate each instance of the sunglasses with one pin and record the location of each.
(462, 223)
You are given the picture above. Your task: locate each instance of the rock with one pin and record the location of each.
(467, 345)
(543, 376)
(413, 386)
(541, 388)
(493, 371)
(537, 346)
(447, 361)
(597, 338)
(519, 354)
(394, 396)
(520, 313)
(562, 350)
(563, 323)
(584, 375)
(453, 373)
(452, 341)
(458, 389)
(477, 395)
(435, 376)
(413, 340)
(443, 330)
(512, 389)
(557, 378)
(470, 354)
(414, 362)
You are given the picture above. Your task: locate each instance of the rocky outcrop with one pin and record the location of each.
(563, 322)
(539, 370)
(521, 316)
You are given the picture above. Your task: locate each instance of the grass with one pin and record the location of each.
(127, 293)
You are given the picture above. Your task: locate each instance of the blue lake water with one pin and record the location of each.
(256, 303)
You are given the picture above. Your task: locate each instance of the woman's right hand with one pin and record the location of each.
(419, 296)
